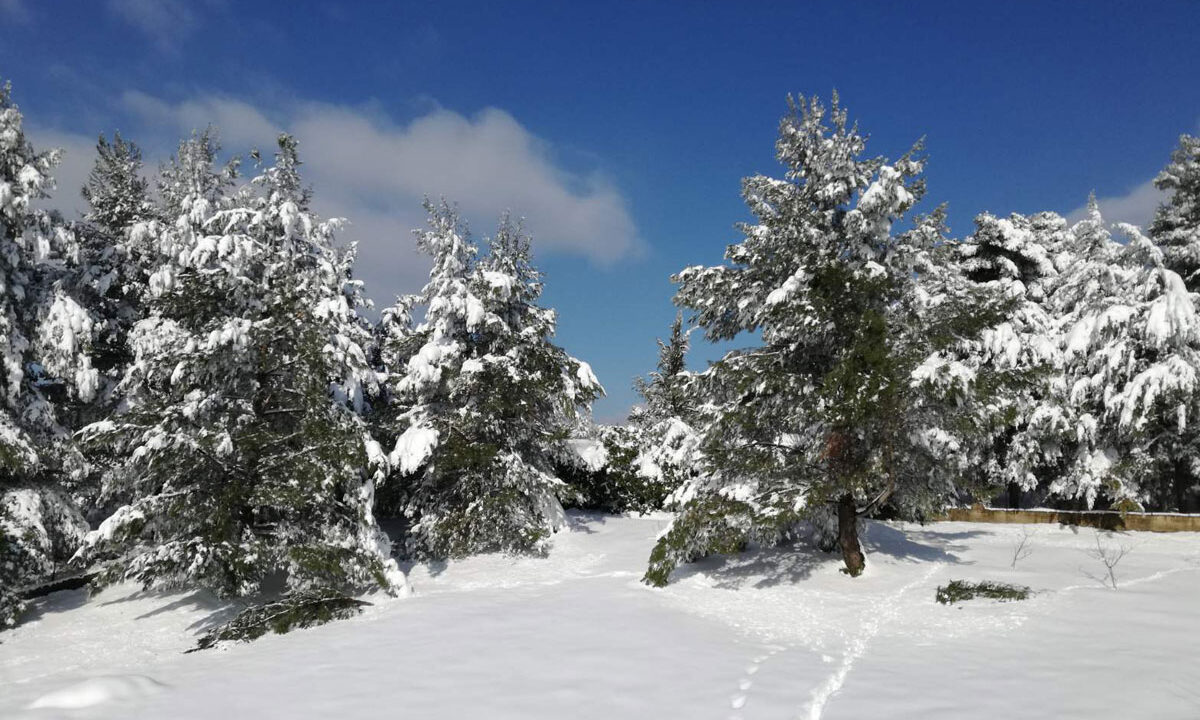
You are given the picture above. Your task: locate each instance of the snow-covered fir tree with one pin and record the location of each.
(240, 450)
(1131, 344)
(484, 398)
(111, 271)
(1176, 226)
(1018, 259)
(668, 453)
(664, 393)
(854, 398)
(39, 525)
(1176, 229)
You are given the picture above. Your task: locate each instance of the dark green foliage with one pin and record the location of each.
(854, 390)
(480, 400)
(116, 193)
(713, 524)
(14, 568)
(301, 609)
(962, 590)
(617, 487)
(666, 392)
(1176, 226)
(238, 464)
(113, 271)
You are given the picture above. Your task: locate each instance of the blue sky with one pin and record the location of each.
(620, 130)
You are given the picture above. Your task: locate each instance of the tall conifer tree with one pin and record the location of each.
(39, 327)
(854, 399)
(485, 399)
(242, 453)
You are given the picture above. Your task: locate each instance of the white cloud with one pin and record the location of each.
(1135, 207)
(375, 172)
(78, 156)
(165, 22)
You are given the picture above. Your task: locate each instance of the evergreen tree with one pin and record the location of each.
(1131, 344)
(1020, 258)
(668, 453)
(1176, 226)
(112, 271)
(39, 524)
(241, 452)
(486, 400)
(1176, 229)
(854, 399)
(664, 393)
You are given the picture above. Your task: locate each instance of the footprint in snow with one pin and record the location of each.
(738, 701)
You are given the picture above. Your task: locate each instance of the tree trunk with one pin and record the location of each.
(852, 552)
(1180, 482)
(52, 586)
(1014, 496)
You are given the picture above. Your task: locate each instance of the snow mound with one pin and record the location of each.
(99, 691)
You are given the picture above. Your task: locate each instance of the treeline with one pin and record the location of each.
(194, 397)
(900, 370)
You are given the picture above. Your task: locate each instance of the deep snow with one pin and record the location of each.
(773, 634)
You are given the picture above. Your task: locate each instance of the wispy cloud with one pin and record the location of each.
(78, 156)
(1135, 207)
(165, 22)
(375, 172)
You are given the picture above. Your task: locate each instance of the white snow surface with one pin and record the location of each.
(768, 634)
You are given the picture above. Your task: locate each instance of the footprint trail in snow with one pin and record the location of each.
(738, 701)
(880, 614)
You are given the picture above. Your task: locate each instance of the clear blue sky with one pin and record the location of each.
(625, 126)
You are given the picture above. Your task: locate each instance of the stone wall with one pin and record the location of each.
(1104, 519)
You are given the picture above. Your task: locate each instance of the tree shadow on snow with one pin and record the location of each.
(583, 521)
(757, 567)
(61, 601)
(219, 610)
(882, 539)
(432, 567)
(787, 564)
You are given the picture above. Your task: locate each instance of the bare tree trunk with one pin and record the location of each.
(852, 552)
(1180, 481)
(1014, 496)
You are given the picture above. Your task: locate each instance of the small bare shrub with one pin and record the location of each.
(1109, 556)
(1023, 548)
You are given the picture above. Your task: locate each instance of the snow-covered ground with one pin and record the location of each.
(778, 634)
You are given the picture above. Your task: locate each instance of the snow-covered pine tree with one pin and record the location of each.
(393, 343)
(418, 362)
(486, 399)
(1019, 258)
(1176, 226)
(111, 271)
(664, 393)
(1176, 230)
(1131, 341)
(242, 455)
(852, 400)
(668, 453)
(39, 525)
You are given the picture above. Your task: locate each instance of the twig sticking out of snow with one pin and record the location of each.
(1109, 556)
(1022, 549)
